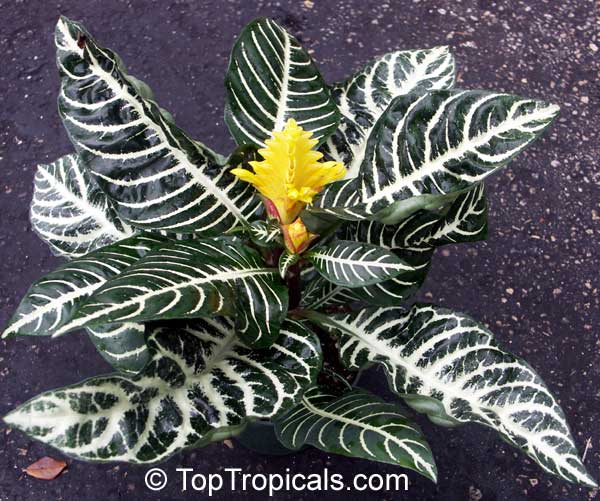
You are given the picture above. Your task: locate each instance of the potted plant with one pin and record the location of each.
(230, 291)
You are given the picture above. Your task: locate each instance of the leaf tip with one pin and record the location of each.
(443, 48)
(554, 109)
(587, 479)
(7, 333)
(67, 35)
(10, 419)
(63, 23)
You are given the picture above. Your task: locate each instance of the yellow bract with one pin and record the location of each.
(291, 174)
(297, 237)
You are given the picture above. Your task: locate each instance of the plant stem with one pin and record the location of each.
(293, 283)
(315, 316)
(272, 256)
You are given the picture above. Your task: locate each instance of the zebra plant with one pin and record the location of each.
(210, 283)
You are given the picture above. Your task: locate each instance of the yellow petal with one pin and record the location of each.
(243, 174)
(290, 174)
(304, 194)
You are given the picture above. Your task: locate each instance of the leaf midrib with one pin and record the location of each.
(220, 277)
(535, 442)
(387, 436)
(431, 166)
(118, 90)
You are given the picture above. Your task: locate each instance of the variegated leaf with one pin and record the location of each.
(202, 384)
(356, 424)
(366, 94)
(123, 346)
(414, 239)
(341, 199)
(271, 79)
(155, 175)
(319, 293)
(449, 366)
(50, 304)
(397, 290)
(356, 264)
(193, 279)
(265, 233)
(70, 213)
(428, 147)
(462, 137)
(285, 261)
(465, 221)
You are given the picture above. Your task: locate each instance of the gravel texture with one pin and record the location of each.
(534, 282)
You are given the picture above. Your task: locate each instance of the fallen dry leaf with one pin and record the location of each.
(46, 468)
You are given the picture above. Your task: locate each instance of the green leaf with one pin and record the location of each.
(449, 366)
(427, 147)
(265, 233)
(319, 293)
(362, 99)
(202, 384)
(364, 96)
(355, 264)
(413, 240)
(70, 213)
(50, 304)
(396, 290)
(193, 279)
(156, 177)
(465, 221)
(342, 200)
(271, 79)
(356, 424)
(463, 136)
(285, 261)
(319, 223)
(123, 346)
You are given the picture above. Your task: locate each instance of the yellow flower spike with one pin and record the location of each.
(297, 237)
(290, 174)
